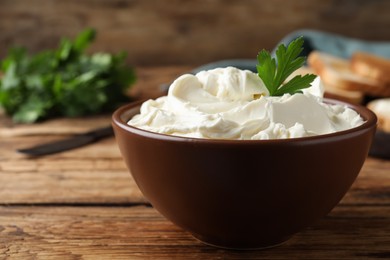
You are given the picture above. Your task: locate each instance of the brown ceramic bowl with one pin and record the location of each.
(243, 194)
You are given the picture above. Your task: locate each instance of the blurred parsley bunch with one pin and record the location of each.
(63, 82)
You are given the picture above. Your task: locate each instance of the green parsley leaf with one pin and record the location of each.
(63, 82)
(288, 61)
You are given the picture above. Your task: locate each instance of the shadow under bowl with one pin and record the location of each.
(243, 194)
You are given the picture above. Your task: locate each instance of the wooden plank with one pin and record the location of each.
(58, 126)
(194, 32)
(97, 174)
(141, 232)
(372, 185)
(91, 174)
(71, 187)
(106, 148)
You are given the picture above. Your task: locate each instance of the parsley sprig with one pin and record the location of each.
(65, 81)
(288, 61)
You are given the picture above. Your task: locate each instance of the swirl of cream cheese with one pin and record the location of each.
(228, 103)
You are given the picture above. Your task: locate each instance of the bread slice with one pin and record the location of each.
(337, 86)
(350, 96)
(381, 107)
(337, 72)
(371, 66)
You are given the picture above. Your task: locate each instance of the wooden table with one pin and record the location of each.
(84, 204)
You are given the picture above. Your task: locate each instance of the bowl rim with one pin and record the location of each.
(367, 115)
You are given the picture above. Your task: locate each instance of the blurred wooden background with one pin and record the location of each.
(186, 32)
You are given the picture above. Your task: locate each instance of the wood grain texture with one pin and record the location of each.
(372, 185)
(142, 233)
(190, 32)
(96, 173)
(59, 126)
(91, 174)
(84, 204)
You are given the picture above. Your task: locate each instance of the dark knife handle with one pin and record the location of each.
(380, 146)
(100, 133)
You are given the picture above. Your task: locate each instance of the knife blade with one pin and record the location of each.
(69, 143)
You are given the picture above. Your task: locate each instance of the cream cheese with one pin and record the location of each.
(228, 103)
